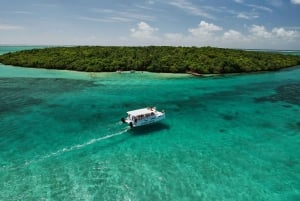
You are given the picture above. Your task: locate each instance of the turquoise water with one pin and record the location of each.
(225, 138)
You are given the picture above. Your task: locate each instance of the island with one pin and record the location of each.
(194, 60)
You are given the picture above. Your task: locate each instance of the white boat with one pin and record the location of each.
(144, 116)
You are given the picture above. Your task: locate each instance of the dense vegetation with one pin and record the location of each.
(152, 58)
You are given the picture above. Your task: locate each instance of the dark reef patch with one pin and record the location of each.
(294, 126)
(227, 117)
(18, 93)
(289, 93)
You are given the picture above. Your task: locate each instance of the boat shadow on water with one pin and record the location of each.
(149, 129)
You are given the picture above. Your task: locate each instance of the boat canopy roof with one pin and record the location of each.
(142, 111)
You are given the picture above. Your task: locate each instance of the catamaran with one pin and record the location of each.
(143, 116)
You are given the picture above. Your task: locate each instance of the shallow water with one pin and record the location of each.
(224, 138)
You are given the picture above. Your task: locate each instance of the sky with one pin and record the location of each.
(247, 24)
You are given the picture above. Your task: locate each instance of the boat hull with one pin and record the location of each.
(143, 116)
(145, 121)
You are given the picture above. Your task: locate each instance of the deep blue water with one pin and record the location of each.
(225, 138)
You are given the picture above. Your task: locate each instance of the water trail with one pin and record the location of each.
(72, 148)
(79, 146)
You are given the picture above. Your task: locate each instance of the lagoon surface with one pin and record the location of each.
(234, 137)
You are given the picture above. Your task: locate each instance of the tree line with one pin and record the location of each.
(202, 60)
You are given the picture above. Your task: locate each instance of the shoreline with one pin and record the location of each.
(103, 74)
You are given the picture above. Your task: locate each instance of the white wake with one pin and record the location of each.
(79, 146)
(72, 148)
